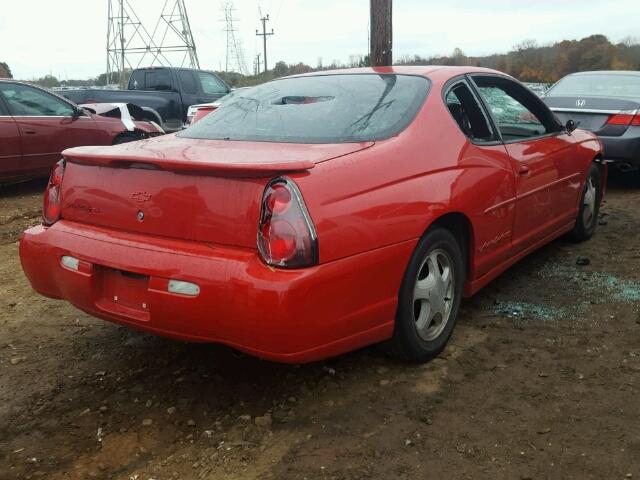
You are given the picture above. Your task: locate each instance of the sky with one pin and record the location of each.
(67, 38)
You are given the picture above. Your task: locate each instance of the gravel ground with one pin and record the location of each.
(540, 380)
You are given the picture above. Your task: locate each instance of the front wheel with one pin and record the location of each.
(429, 297)
(587, 220)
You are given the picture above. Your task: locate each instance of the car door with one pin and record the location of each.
(489, 176)
(10, 146)
(541, 151)
(48, 125)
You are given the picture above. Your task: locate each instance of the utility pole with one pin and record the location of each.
(256, 65)
(381, 46)
(264, 39)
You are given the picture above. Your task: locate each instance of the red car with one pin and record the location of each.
(318, 214)
(37, 125)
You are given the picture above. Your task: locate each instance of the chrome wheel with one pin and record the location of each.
(433, 294)
(589, 202)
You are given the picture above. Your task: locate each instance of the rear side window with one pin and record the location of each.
(211, 84)
(318, 109)
(136, 81)
(157, 80)
(468, 114)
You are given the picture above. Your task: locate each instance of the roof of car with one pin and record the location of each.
(422, 70)
(610, 72)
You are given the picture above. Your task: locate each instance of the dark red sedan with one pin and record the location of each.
(317, 214)
(37, 125)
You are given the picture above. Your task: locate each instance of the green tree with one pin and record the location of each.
(5, 71)
(47, 81)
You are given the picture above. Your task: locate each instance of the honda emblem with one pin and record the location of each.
(581, 103)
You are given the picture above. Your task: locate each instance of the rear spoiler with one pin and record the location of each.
(212, 167)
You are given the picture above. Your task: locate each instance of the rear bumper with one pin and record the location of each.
(290, 316)
(623, 149)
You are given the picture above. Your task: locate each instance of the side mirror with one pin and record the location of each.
(77, 112)
(570, 126)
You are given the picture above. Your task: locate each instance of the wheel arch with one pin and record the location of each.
(461, 227)
(604, 173)
(153, 115)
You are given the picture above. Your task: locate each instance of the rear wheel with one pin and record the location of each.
(587, 220)
(429, 297)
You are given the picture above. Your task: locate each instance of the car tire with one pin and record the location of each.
(126, 138)
(429, 298)
(587, 220)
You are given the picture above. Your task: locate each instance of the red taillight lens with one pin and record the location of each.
(625, 119)
(279, 199)
(202, 112)
(52, 207)
(286, 235)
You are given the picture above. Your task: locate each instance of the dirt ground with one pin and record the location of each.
(540, 380)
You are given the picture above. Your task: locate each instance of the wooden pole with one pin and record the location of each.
(381, 43)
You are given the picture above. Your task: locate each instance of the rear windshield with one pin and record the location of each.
(317, 109)
(150, 79)
(597, 85)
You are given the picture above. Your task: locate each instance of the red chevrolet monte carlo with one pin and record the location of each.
(37, 125)
(316, 214)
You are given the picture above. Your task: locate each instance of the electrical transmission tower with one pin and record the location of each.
(130, 45)
(234, 59)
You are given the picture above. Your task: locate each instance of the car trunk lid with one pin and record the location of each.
(201, 190)
(592, 113)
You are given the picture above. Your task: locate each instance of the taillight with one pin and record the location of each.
(286, 235)
(625, 118)
(52, 204)
(202, 112)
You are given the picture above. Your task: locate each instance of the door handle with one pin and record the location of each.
(524, 169)
(30, 132)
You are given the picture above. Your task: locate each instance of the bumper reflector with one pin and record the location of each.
(70, 262)
(183, 288)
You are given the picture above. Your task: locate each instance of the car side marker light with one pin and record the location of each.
(183, 288)
(71, 263)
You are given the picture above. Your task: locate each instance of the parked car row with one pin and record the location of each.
(606, 103)
(36, 126)
(164, 93)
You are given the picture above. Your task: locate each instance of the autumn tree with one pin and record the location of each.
(5, 71)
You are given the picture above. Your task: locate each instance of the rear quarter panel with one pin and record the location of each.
(393, 191)
(588, 147)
